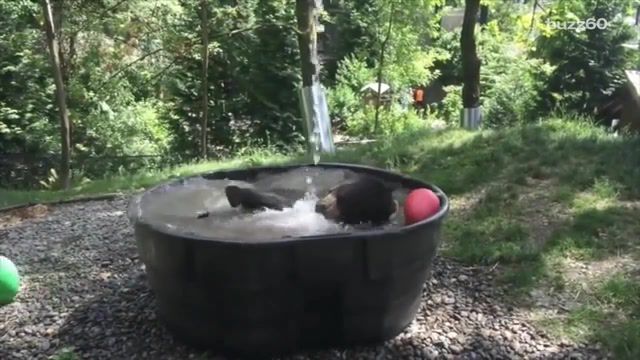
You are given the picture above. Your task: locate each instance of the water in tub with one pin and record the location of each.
(177, 207)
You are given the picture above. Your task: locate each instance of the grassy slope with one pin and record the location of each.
(539, 201)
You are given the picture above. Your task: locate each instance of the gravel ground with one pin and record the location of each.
(84, 288)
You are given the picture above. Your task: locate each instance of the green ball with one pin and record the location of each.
(9, 281)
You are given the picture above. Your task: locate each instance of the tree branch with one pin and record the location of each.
(127, 66)
(190, 42)
(161, 72)
(98, 17)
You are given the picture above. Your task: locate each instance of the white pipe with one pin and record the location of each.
(471, 118)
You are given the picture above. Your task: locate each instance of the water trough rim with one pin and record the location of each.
(444, 208)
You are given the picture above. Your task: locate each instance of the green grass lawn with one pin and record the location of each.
(542, 202)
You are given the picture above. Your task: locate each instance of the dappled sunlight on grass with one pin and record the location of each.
(617, 332)
(578, 325)
(622, 290)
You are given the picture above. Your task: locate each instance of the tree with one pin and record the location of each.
(470, 60)
(307, 40)
(588, 63)
(383, 48)
(54, 55)
(205, 76)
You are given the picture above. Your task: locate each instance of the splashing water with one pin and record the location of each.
(176, 207)
(311, 190)
(316, 144)
(315, 150)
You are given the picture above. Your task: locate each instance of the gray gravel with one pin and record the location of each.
(85, 289)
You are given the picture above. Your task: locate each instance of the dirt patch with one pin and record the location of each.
(17, 216)
(540, 214)
(464, 205)
(582, 272)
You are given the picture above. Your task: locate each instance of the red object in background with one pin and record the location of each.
(420, 204)
(418, 96)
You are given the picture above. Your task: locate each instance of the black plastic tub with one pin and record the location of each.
(278, 297)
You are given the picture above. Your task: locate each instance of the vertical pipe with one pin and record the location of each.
(317, 124)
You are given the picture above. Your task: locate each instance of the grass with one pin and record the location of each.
(66, 354)
(531, 199)
(137, 181)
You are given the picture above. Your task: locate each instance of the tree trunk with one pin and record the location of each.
(470, 60)
(57, 13)
(205, 77)
(54, 55)
(383, 48)
(307, 38)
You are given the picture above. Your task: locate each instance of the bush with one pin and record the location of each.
(392, 121)
(511, 81)
(347, 109)
(136, 129)
(450, 107)
(450, 66)
(344, 99)
(27, 115)
(343, 102)
(589, 64)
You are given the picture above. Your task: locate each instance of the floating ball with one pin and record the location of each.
(420, 204)
(9, 281)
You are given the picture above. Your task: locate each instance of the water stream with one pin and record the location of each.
(316, 150)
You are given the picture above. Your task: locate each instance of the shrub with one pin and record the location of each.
(392, 121)
(589, 64)
(346, 107)
(450, 107)
(511, 80)
(133, 130)
(512, 86)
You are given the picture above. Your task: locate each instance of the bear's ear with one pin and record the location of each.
(391, 186)
(328, 207)
(395, 206)
(234, 195)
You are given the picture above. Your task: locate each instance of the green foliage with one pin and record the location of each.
(344, 98)
(450, 67)
(133, 130)
(132, 71)
(253, 75)
(66, 354)
(27, 122)
(621, 290)
(588, 64)
(408, 61)
(511, 81)
(107, 111)
(449, 110)
(393, 121)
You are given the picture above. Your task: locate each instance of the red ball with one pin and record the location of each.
(420, 204)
